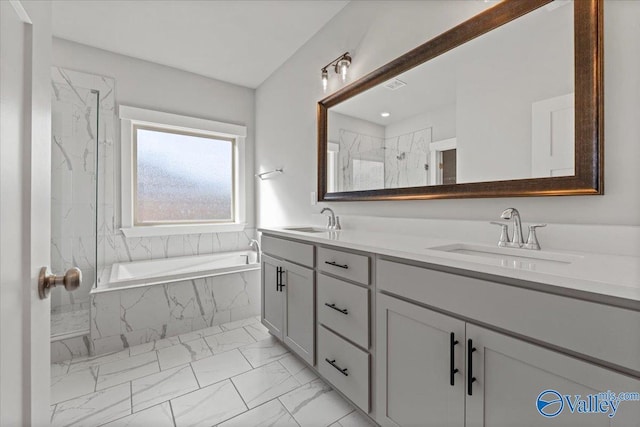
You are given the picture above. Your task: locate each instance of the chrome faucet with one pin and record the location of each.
(256, 246)
(518, 242)
(334, 221)
(509, 213)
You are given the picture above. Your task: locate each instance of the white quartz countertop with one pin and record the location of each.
(611, 279)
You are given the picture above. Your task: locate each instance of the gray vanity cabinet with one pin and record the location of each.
(272, 298)
(414, 363)
(498, 378)
(288, 294)
(510, 374)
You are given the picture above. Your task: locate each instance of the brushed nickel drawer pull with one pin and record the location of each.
(333, 363)
(345, 266)
(341, 310)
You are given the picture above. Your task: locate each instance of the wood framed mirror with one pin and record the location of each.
(508, 103)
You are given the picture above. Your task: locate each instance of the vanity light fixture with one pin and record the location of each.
(340, 65)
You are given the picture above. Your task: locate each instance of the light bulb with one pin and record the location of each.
(343, 71)
(325, 79)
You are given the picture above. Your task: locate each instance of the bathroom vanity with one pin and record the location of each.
(421, 331)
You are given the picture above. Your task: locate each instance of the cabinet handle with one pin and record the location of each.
(345, 266)
(452, 370)
(341, 310)
(281, 274)
(278, 279)
(470, 378)
(333, 363)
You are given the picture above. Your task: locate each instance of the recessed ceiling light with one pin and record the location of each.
(385, 114)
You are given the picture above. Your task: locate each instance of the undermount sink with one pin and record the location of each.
(306, 229)
(509, 257)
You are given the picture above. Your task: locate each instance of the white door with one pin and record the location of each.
(511, 377)
(553, 137)
(420, 366)
(25, 171)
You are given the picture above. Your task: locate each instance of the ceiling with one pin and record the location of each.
(240, 42)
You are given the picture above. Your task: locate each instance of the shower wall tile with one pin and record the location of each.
(105, 314)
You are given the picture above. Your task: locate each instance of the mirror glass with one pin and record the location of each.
(499, 107)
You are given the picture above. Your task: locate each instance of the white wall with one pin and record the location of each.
(286, 119)
(144, 84)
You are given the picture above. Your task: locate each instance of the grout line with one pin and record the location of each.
(285, 408)
(173, 416)
(195, 376)
(238, 391)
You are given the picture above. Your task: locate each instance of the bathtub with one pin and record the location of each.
(146, 273)
(140, 302)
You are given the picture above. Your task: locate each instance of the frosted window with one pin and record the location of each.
(183, 177)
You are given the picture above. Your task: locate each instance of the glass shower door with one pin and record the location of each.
(74, 160)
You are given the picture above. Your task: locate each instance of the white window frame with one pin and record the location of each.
(130, 117)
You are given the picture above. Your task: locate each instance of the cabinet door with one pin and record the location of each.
(299, 330)
(414, 366)
(272, 298)
(511, 374)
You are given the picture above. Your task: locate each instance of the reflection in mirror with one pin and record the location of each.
(499, 107)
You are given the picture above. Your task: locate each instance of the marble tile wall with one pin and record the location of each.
(163, 311)
(128, 317)
(405, 157)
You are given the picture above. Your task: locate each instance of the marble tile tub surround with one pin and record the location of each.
(129, 317)
(251, 380)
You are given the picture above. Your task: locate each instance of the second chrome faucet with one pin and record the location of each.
(334, 221)
(518, 241)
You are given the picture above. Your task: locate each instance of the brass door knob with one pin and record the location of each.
(46, 280)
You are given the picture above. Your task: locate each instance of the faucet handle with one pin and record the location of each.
(532, 240)
(504, 233)
(330, 223)
(337, 226)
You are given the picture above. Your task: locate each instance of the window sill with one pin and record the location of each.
(167, 230)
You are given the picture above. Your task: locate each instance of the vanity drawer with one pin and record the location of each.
(349, 315)
(344, 264)
(299, 253)
(344, 356)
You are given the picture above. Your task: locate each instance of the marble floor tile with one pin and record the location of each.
(220, 367)
(60, 368)
(263, 352)
(95, 408)
(156, 416)
(296, 367)
(125, 370)
(270, 414)
(153, 345)
(161, 387)
(200, 333)
(208, 406)
(258, 331)
(85, 362)
(315, 404)
(354, 419)
(73, 385)
(182, 353)
(229, 340)
(265, 383)
(239, 323)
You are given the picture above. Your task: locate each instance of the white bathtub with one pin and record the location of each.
(125, 275)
